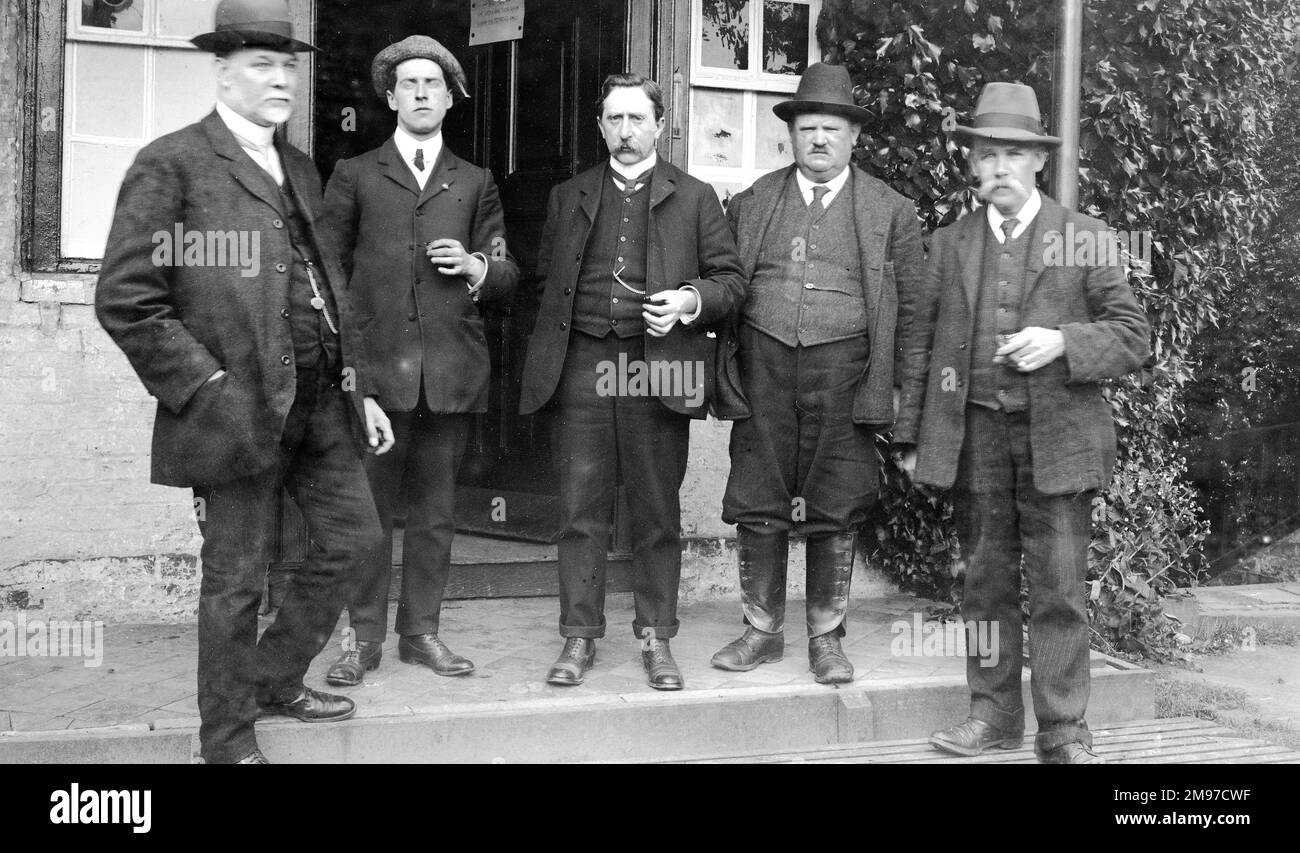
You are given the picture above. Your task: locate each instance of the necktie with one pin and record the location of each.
(629, 186)
(1008, 226)
(419, 159)
(816, 208)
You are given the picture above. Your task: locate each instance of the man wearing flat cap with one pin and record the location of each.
(257, 370)
(422, 239)
(1002, 403)
(830, 254)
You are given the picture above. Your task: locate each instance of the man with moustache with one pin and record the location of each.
(422, 238)
(636, 260)
(1001, 402)
(829, 252)
(259, 378)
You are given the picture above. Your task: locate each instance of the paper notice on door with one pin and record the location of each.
(495, 20)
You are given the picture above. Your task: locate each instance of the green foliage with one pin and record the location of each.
(1178, 105)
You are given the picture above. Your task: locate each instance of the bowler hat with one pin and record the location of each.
(1008, 112)
(418, 47)
(823, 89)
(251, 23)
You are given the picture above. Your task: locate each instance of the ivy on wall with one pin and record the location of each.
(1177, 118)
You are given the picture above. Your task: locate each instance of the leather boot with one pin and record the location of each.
(660, 668)
(577, 656)
(827, 660)
(830, 570)
(762, 577)
(354, 663)
(751, 650)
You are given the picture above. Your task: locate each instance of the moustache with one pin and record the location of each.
(986, 187)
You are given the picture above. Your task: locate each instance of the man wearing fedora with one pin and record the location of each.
(808, 373)
(1002, 403)
(636, 262)
(422, 239)
(257, 371)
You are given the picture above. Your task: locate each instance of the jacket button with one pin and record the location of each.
(277, 223)
(578, 259)
(961, 346)
(419, 213)
(412, 317)
(284, 359)
(568, 290)
(284, 312)
(280, 268)
(564, 325)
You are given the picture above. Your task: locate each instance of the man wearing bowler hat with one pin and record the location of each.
(422, 239)
(831, 256)
(1002, 403)
(257, 371)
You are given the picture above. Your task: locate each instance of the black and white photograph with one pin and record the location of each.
(652, 382)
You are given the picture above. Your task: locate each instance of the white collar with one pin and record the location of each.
(1024, 216)
(833, 186)
(407, 144)
(246, 131)
(636, 170)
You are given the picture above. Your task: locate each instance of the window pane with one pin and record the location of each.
(716, 119)
(771, 136)
(107, 92)
(724, 36)
(185, 89)
(785, 37)
(185, 18)
(113, 14)
(91, 178)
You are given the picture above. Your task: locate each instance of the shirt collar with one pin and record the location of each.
(1024, 216)
(246, 131)
(406, 145)
(636, 170)
(833, 186)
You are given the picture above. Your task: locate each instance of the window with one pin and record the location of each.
(109, 76)
(746, 56)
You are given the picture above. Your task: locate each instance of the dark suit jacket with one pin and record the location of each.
(689, 243)
(1072, 433)
(414, 320)
(178, 324)
(892, 261)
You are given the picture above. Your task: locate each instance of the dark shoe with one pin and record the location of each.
(972, 736)
(428, 650)
(312, 706)
(659, 665)
(1070, 753)
(354, 663)
(753, 648)
(575, 659)
(254, 757)
(827, 661)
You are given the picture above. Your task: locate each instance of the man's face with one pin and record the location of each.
(627, 121)
(1006, 172)
(420, 97)
(259, 84)
(822, 143)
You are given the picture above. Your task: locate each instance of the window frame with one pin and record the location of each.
(753, 78)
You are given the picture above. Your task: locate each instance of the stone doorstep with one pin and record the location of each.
(594, 728)
(1208, 609)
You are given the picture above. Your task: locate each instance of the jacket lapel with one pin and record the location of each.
(872, 240)
(392, 166)
(1051, 217)
(246, 173)
(767, 194)
(441, 178)
(589, 187)
(970, 246)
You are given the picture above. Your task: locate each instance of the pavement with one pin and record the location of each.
(147, 675)
(1207, 609)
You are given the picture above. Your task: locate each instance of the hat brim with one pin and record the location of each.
(226, 41)
(1006, 134)
(787, 110)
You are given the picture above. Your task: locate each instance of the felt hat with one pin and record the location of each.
(251, 23)
(823, 89)
(1007, 112)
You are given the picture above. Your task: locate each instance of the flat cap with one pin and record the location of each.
(418, 47)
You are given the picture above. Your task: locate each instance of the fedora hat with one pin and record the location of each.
(823, 89)
(1008, 112)
(251, 23)
(418, 47)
